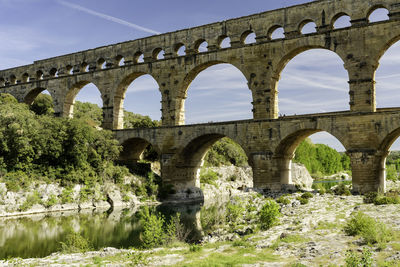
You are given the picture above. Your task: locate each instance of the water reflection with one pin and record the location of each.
(40, 235)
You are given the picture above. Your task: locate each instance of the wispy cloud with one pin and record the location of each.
(107, 17)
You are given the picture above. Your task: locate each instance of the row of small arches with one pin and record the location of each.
(341, 20)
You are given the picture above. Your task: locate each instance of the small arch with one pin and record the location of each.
(39, 75)
(307, 27)
(13, 79)
(201, 46)
(158, 53)
(180, 49)
(138, 57)
(120, 60)
(378, 13)
(224, 41)
(25, 77)
(69, 69)
(101, 64)
(248, 37)
(340, 21)
(276, 32)
(53, 72)
(84, 67)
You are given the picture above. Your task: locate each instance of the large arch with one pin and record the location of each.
(310, 70)
(212, 81)
(30, 97)
(71, 95)
(285, 150)
(191, 157)
(387, 77)
(120, 94)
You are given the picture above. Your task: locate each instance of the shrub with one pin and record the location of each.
(303, 201)
(307, 195)
(342, 190)
(31, 200)
(234, 211)
(370, 197)
(75, 243)
(381, 199)
(356, 260)
(369, 229)
(51, 201)
(283, 200)
(269, 214)
(208, 177)
(153, 232)
(67, 196)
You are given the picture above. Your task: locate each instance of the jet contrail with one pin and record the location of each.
(107, 17)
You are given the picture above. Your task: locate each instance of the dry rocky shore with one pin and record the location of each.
(310, 234)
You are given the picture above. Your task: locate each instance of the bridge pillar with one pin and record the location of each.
(181, 178)
(269, 172)
(368, 170)
(362, 84)
(265, 95)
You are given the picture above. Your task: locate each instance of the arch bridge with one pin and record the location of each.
(365, 131)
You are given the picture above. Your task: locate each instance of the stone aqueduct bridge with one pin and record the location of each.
(269, 141)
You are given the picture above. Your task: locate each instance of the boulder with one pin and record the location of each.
(115, 199)
(301, 177)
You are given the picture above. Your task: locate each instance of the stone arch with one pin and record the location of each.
(221, 40)
(198, 44)
(133, 148)
(30, 97)
(179, 49)
(245, 35)
(285, 150)
(158, 53)
(193, 73)
(119, 96)
(304, 23)
(69, 99)
(272, 30)
(374, 8)
(191, 156)
(337, 17)
(282, 63)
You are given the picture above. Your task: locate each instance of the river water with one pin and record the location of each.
(41, 235)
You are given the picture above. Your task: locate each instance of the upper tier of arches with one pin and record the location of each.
(261, 27)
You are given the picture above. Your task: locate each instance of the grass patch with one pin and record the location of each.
(233, 256)
(325, 225)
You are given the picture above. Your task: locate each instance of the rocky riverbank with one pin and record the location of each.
(310, 234)
(42, 197)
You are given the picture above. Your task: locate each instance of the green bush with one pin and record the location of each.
(31, 200)
(342, 190)
(356, 260)
(382, 199)
(67, 195)
(156, 232)
(369, 229)
(283, 200)
(195, 248)
(208, 176)
(269, 214)
(303, 201)
(307, 195)
(75, 243)
(51, 201)
(234, 211)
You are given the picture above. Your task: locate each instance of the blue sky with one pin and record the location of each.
(314, 81)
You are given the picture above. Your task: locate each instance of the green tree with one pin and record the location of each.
(43, 105)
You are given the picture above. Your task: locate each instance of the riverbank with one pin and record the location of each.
(311, 234)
